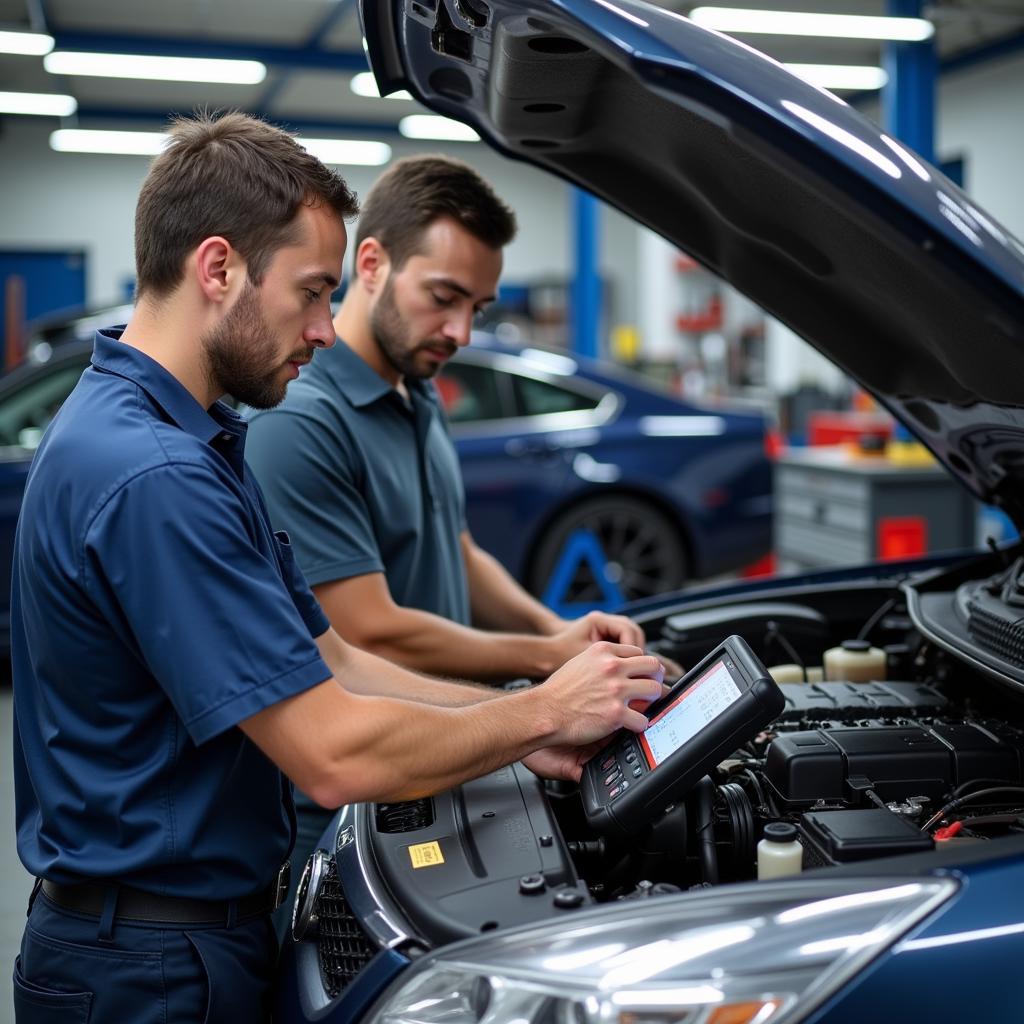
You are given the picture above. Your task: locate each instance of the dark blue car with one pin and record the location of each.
(590, 485)
(901, 775)
(593, 487)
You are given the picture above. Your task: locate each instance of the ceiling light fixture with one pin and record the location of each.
(331, 151)
(364, 84)
(348, 152)
(841, 76)
(431, 126)
(83, 140)
(799, 23)
(29, 44)
(44, 104)
(164, 69)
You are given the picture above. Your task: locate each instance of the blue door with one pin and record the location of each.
(34, 282)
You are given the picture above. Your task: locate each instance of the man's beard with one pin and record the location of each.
(392, 337)
(238, 352)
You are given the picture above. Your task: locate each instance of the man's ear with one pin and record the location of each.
(218, 268)
(371, 264)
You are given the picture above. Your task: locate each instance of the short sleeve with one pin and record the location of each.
(177, 560)
(313, 483)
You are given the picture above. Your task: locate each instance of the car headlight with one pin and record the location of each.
(746, 956)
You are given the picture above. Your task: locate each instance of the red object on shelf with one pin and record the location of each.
(836, 427)
(762, 567)
(684, 263)
(901, 537)
(707, 319)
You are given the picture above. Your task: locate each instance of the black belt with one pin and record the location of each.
(137, 905)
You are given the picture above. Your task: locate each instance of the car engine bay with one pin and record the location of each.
(927, 753)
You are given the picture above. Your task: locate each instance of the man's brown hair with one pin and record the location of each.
(418, 190)
(231, 175)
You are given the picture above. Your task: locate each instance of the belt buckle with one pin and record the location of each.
(284, 879)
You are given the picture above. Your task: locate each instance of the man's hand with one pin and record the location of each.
(561, 762)
(589, 696)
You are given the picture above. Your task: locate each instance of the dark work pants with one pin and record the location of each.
(146, 973)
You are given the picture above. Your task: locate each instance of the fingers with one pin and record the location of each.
(634, 721)
(617, 628)
(673, 670)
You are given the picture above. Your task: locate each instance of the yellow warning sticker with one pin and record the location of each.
(426, 855)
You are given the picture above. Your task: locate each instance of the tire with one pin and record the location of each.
(643, 548)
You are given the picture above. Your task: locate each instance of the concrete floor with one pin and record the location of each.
(15, 882)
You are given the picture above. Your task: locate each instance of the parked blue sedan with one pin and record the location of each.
(590, 485)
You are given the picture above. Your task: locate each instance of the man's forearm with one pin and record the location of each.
(499, 602)
(365, 673)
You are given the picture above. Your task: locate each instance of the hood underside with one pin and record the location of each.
(784, 191)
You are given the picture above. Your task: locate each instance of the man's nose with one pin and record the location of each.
(459, 327)
(321, 332)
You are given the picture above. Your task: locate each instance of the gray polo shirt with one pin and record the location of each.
(365, 482)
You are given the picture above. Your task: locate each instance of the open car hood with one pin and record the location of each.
(858, 245)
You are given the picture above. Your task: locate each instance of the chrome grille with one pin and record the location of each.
(344, 948)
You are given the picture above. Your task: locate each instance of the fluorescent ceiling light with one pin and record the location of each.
(841, 76)
(430, 126)
(348, 151)
(330, 151)
(164, 69)
(44, 103)
(81, 140)
(31, 44)
(798, 23)
(364, 84)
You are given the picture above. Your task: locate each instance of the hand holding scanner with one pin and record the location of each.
(725, 700)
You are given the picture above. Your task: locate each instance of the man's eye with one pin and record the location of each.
(442, 300)
(312, 295)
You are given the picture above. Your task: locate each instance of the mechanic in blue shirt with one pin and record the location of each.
(168, 657)
(358, 467)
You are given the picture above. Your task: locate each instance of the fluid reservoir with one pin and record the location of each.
(790, 672)
(779, 853)
(854, 661)
(787, 673)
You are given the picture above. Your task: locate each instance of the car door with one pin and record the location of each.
(516, 433)
(29, 398)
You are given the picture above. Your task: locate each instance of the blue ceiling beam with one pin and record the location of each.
(313, 42)
(298, 58)
(157, 119)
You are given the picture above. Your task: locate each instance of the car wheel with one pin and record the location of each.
(643, 550)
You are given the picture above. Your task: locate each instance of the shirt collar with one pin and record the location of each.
(218, 425)
(349, 374)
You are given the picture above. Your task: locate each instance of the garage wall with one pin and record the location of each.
(982, 118)
(69, 200)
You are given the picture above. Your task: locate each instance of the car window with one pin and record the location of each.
(470, 393)
(25, 413)
(538, 398)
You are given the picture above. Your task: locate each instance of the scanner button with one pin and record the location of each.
(612, 777)
(637, 772)
(607, 763)
(631, 756)
(616, 791)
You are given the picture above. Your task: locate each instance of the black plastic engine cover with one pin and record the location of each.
(817, 702)
(841, 837)
(490, 856)
(896, 761)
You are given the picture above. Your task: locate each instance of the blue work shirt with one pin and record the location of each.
(366, 482)
(152, 610)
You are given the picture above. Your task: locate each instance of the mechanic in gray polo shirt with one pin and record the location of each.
(356, 464)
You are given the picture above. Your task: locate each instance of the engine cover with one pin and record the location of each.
(896, 761)
(487, 854)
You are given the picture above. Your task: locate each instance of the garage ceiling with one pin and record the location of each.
(312, 48)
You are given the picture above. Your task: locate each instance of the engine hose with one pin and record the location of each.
(741, 824)
(705, 802)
